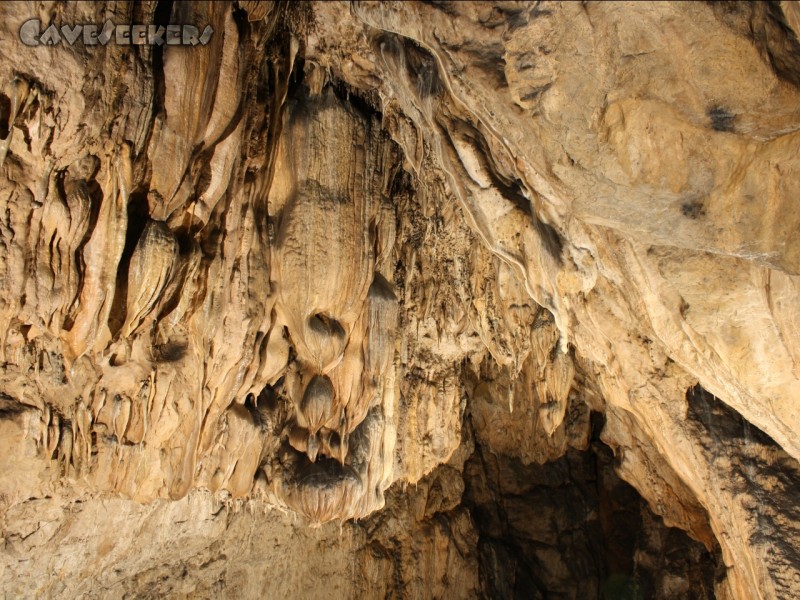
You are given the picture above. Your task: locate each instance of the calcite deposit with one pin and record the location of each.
(400, 300)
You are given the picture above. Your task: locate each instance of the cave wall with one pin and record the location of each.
(290, 273)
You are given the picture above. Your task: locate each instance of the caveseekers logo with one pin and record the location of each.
(91, 34)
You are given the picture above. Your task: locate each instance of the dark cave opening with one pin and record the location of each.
(571, 528)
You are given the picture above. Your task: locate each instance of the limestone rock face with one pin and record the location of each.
(419, 294)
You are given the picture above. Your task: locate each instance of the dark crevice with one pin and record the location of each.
(516, 17)
(366, 104)
(423, 69)
(138, 216)
(161, 17)
(511, 188)
(170, 351)
(10, 407)
(551, 239)
(5, 116)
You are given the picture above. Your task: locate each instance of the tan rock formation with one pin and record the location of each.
(443, 248)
